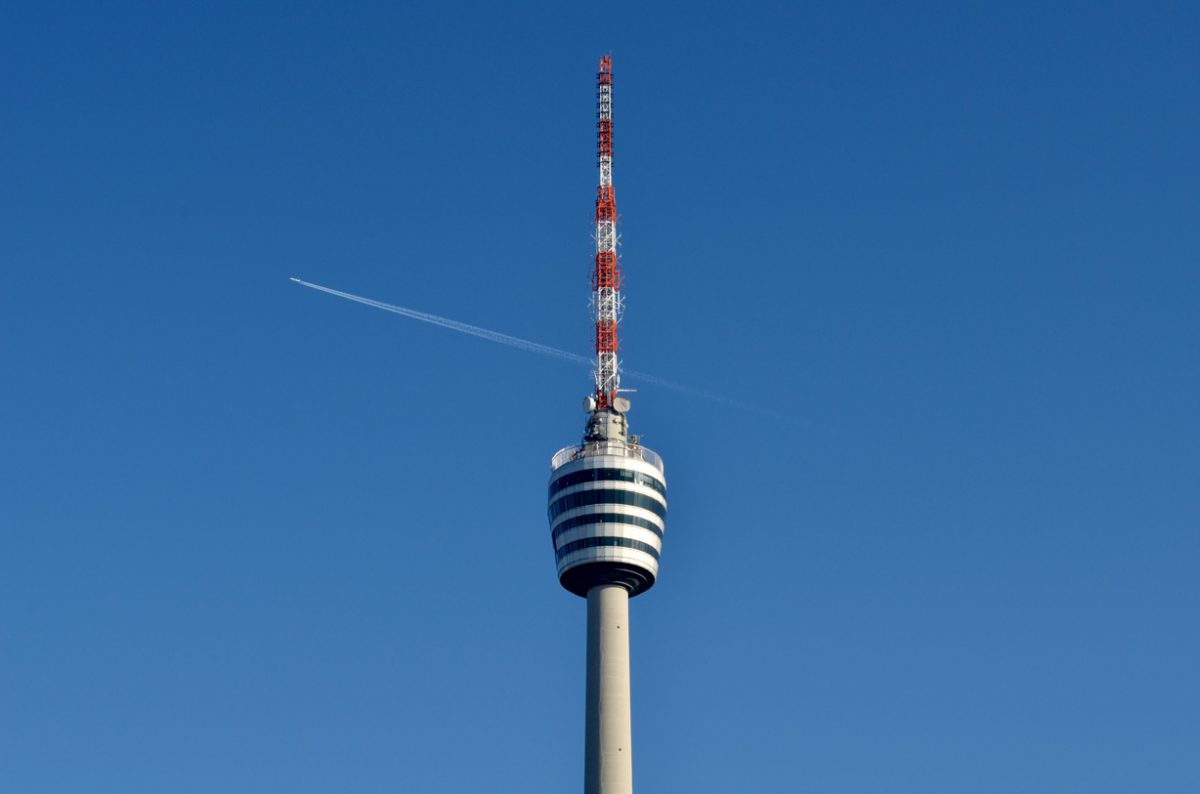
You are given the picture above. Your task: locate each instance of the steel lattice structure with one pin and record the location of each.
(606, 277)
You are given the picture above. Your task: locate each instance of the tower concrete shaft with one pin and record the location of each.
(608, 739)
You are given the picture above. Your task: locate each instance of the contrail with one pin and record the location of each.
(524, 344)
(455, 325)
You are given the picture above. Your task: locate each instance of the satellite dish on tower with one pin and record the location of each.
(621, 405)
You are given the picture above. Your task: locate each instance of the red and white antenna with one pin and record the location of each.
(606, 277)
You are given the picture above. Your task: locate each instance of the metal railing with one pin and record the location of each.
(637, 451)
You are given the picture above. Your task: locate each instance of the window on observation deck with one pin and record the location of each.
(598, 475)
(587, 543)
(603, 497)
(608, 519)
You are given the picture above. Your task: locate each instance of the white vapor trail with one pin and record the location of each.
(520, 344)
(455, 325)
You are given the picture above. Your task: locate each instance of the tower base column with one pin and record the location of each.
(608, 759)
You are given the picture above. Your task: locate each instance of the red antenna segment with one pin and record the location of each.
(606, 277)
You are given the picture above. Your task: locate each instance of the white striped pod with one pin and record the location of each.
(607, 519)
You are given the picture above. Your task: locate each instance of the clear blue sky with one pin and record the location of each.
(259, 539)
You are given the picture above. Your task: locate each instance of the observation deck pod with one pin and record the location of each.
(607, 510)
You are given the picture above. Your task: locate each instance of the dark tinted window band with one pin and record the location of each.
(586, 543)
(606, 497)
(605, 518)
(599, 475)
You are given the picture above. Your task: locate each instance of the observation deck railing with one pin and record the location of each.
(589, 449)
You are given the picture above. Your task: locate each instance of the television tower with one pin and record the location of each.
(607, 505)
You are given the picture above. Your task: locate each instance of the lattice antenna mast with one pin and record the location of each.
(606, 278)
